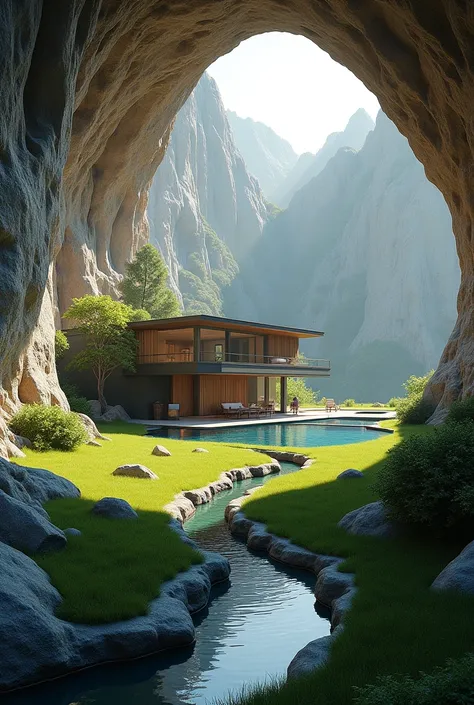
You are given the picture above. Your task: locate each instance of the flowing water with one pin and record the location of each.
(253, 626)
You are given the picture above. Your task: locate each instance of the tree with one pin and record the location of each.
(139, 314)
(416, 385)
(145, 285)
(61, 344)
(296, 387)
(108, 345)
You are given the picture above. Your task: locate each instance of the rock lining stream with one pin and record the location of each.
(254, 625)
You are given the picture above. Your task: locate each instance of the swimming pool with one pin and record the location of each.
(297, 434)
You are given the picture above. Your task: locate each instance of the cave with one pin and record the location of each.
(90, 89)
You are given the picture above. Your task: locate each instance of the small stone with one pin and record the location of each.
(200, 450)
(72, 532)
(137, 470)
(160, 450)
(349, 474)
(114, 508)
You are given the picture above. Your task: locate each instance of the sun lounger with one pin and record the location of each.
(331, 405)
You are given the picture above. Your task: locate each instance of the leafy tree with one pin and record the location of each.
(139, 314)
(145, 285)
(296, 387)
(109, 345)
(61, 344)
(416, 385)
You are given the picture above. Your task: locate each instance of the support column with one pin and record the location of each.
(265, 348)
(197, 345)
(283, 395)
(227, 356)
(196, 395)
(266, 390)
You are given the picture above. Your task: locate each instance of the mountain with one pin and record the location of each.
(267, 156)
(205, 211)
(354, 136)
(364, 252)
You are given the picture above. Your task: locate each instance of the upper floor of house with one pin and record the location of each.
(210, 344)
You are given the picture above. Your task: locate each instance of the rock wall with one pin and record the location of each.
(125, 69)
(370, 259)
(204, 210)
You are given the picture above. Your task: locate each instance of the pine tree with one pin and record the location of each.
(145, 285)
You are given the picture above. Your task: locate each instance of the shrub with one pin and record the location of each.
(77, 403)
(414, 409)
(452, 684)
(49, 427)
(416, 385)
(61, 344)
(393, 402)
(349, 402)
(428, 480)
(462, 410)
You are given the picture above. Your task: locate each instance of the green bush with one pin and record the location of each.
(452, 684)
(414, 409)
(61, 344)
(77, 403)
(49, 427)
(427, 481)
(349, 402)
(462, 410)
(392, 403)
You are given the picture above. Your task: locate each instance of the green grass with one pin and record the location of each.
(396, 625)
(116, 568)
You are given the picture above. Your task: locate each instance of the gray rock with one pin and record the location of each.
(94, 443)
(115, 413)
(72, 532)
(350, 474)
(232, 508)
(310, 657)
(240, 525)
(203, 495)
(238, 474)
(459, 573)
(340, 606)
(181, 508)
(91, 429)
(96, 412)
(22, 442)
(27, 529)
(223, 483)
(137, 470)
(114, 508)
(369, 520)
(264, 469)
(286, 552)
(200, 450)
(258, 538)
(160, 450)
(331, 584)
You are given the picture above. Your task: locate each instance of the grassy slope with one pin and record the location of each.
(116, 567)
(396, 624)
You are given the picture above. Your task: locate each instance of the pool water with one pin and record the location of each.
(253, 626)
(297, 434)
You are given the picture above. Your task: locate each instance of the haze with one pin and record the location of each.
(290, 84)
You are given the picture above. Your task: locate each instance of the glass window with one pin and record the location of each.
(219, 352)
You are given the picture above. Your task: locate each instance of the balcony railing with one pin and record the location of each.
(238, 358)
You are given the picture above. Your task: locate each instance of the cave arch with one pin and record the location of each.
(91, 88)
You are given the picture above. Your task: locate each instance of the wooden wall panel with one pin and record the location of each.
(182, 393)
(215, 389)
(282, 346)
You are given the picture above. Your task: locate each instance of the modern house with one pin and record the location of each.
(200, 362)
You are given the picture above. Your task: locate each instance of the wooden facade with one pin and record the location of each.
(282, 346)
(215, 389)
(182, 393)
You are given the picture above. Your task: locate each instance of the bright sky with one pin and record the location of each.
(293, 86)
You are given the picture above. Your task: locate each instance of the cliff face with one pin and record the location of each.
(205, 211)
(309, 166)
(369, 258)
(269, 157)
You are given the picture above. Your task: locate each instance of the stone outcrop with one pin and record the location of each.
(369, 520)
(89, 93)
(204, 210)
(459, 573)
(269, 157)
(367, 246)
(114, 508)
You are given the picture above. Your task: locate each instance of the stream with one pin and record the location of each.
(253, 626)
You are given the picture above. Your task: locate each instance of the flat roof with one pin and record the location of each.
(204, 321)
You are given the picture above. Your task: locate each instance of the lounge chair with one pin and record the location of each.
(268, 408)
(331, 405)
(234, 408)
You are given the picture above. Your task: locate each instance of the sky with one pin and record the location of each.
(290, 84)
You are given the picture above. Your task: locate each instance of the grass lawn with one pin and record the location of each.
(396, 624)
(116, 568)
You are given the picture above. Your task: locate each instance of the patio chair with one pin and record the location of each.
(331, 405)
(233, 408)
(268, 408)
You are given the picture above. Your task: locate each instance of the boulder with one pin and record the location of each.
(72, 532)
(312, 656)
(203, 495)
(232, 508)
(181, 508)
(91, 429)
(96, 412)
(459, 573)
(26, 529)
(161, 451)
(331, 584)
(240, 525)
(258, 538)
(265, 469)
(115, 413)
(137, 470)
(369, 520)
(200, 450)
(114, 508)
(350, 474)
(22, 442)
